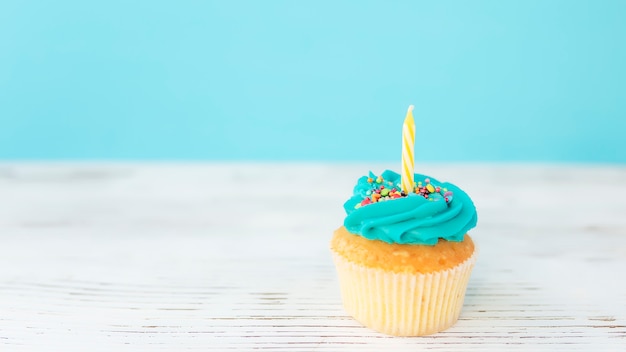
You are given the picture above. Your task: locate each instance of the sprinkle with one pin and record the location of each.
(385, 190)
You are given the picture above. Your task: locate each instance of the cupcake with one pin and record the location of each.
(403, 255)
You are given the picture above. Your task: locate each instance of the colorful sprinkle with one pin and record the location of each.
(380, 193)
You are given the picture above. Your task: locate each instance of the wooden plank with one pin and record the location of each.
(235, 257)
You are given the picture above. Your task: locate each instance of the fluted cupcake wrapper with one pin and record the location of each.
(403, 304)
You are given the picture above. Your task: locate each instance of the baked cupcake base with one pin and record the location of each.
(400, 300)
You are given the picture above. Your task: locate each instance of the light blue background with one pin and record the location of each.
(313, 80)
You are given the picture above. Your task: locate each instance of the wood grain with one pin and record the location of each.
(235, 257)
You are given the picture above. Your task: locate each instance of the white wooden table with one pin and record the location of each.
(132, 257)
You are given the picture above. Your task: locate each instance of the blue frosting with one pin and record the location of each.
(413, 219)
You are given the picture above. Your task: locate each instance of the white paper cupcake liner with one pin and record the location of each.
(403, 304)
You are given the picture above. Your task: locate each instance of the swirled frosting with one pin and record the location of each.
(415, 218)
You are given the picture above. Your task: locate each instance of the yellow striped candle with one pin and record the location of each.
(408, 145)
